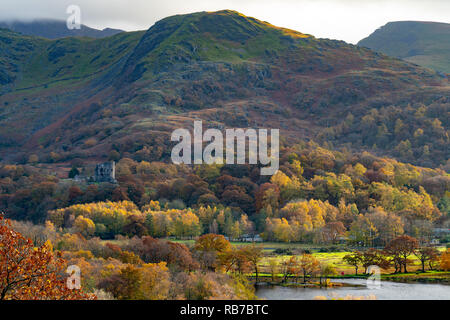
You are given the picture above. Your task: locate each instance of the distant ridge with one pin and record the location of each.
(424, 43)
(55, 29)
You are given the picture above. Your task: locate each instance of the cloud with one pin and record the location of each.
(349, 20)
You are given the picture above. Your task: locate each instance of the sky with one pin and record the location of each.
(348, 20)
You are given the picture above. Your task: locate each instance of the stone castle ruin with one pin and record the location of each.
(105, 172)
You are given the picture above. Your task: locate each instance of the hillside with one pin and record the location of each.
(80, 98)
(424, 43)
(362, 169)
(54, 29)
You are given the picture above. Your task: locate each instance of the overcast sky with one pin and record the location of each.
(349, 20)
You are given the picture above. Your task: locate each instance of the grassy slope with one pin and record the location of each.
(45, 79)
(223, 36)
(40, 62)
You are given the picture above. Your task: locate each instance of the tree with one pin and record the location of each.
(186, 224)
(400, 249)
(212, 242)
(363, 230)
(354, 259)
(273, 267)
(125, 285)
(388, 225)
(236, 231)
(135, 226)
(278, 230)
(73, 172)
(149, 281)
(425, 254)
(114, 155)
(288, 267)
(268, 194)
(332, 231)
(209, 247)
(150, 250)
(29, 273)
(374, 257)
(33, 158)
(85, 226)
(246, 225)
(445, 260)
(308, 265)
(235, 259)
(326, 270)
(75, 192)
(254, 255)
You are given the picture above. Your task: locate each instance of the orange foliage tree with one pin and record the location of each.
(445, 260)
(30, 273)
(400, 249)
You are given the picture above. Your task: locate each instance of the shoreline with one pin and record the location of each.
(436, 277)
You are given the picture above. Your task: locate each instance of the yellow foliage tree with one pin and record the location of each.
(85, 226)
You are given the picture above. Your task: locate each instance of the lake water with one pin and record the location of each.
(387, 291)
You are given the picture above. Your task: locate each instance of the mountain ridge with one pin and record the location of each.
(55, 29)
(425, 43)
(126, 93)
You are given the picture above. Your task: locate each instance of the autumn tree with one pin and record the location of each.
(136, 226)
(212, 242)
(373, 257)
(363, 230)
(354, 259)
(308, 265)
(445, 260)
(388, 225)
(288, 267)
(151, 250)
(209, 246)
(268, 194)
(254, 255)
(333, 230)
(124, 285)
(85, 226)
(235, 260)
(425, 254)
(400, 249)
(273, 267)
(30, 273)
(326, 270)
(149, 281)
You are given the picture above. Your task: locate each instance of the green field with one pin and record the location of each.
(333, 258)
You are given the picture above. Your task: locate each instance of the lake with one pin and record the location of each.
(387, 291)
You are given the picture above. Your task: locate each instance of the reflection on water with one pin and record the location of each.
(388, 291)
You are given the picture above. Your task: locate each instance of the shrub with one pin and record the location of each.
(283, 251)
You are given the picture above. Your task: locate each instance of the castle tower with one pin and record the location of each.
(105, 172)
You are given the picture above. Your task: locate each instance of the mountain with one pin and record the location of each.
(424, 43)
(54, 29)
(81, 98)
